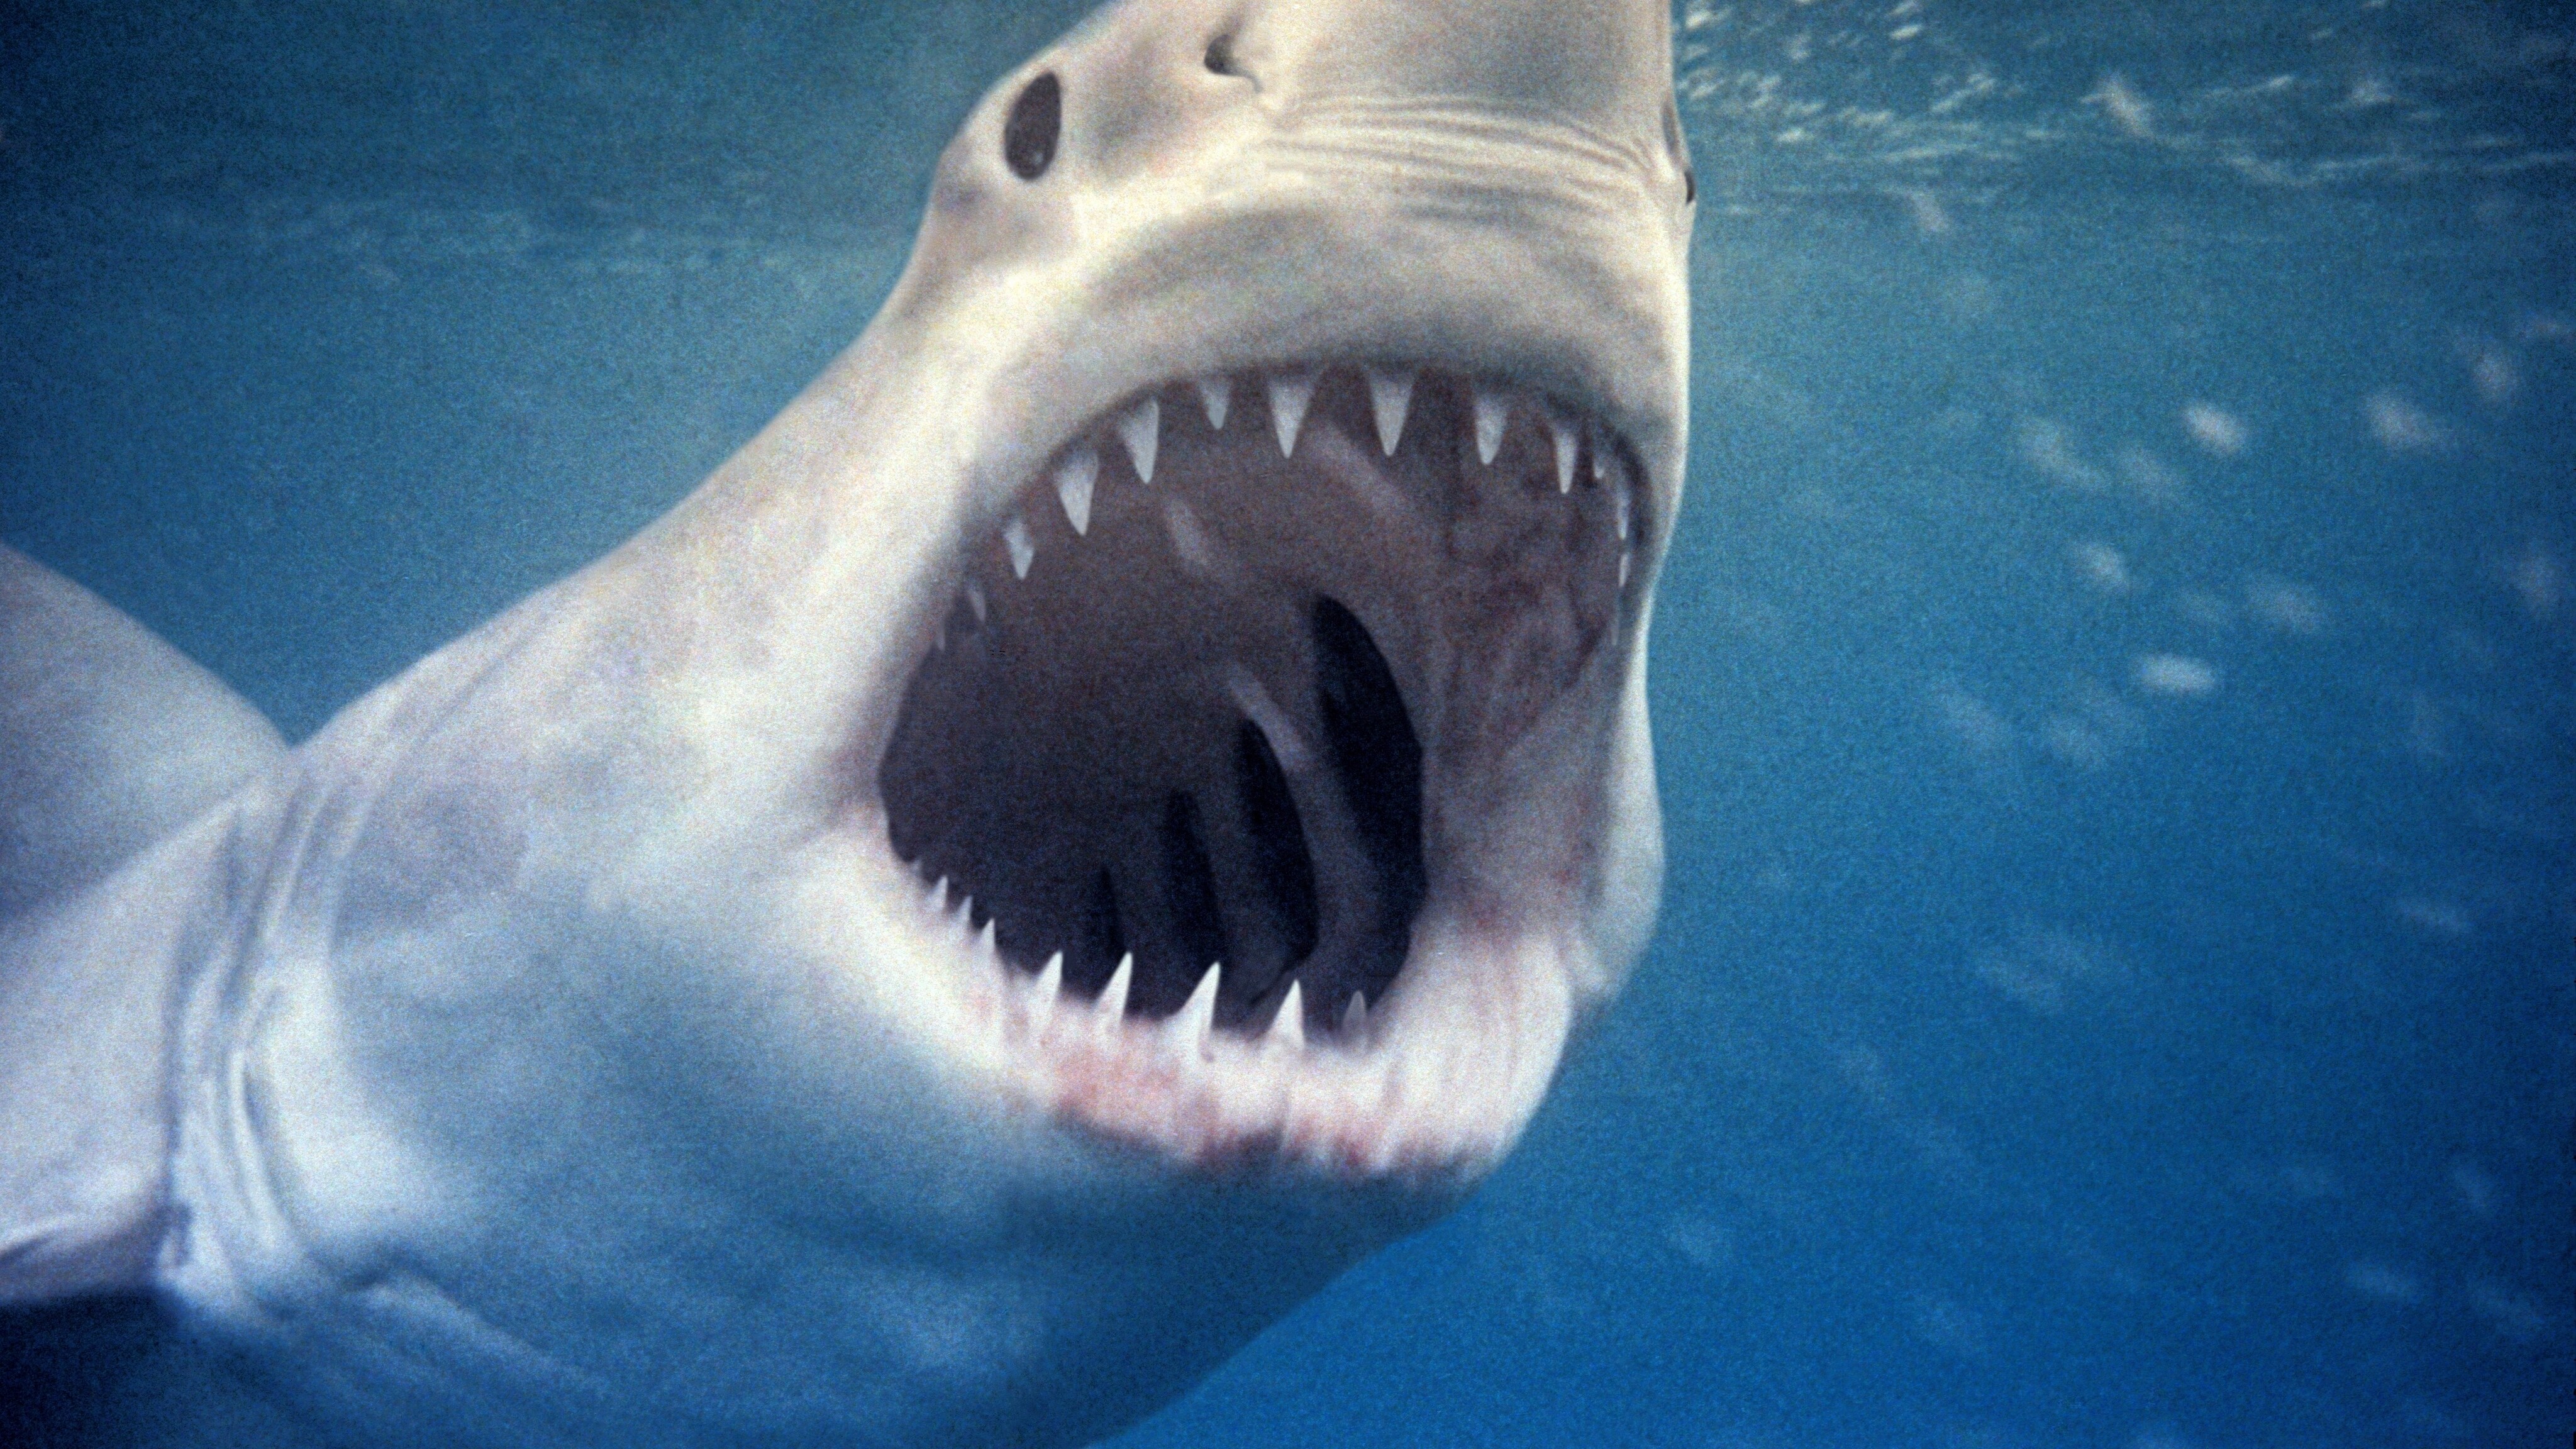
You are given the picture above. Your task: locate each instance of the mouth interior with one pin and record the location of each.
(1241, 682)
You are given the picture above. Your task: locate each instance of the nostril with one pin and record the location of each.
(1220, 56)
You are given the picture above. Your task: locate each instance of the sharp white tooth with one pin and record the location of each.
(1623, 568)
(1140, 430)
(1567, 445)
(1190, 540)
(1600, 449)
(1493, 410)
(937, 900)
(975, 601)
(1199, 1012)
(1289, 394)
(1111, 1008)
(1390, 398)
(1214, 393)
(1289, 1026)
(1073, 479)
(985, 939)
(965, 913)
(1050, 985)
(1619, 512)
(1015, 536)
(1355, 1018)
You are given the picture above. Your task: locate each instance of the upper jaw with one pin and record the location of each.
(1259, 255)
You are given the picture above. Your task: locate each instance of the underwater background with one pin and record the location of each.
(2115, 680)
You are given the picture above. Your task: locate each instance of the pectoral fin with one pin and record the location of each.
(113, 752)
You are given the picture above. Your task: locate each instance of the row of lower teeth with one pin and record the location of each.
(1190, 1027)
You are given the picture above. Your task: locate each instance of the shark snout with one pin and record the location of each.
(1601, 64)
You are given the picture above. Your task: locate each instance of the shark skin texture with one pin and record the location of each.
(1102, 815)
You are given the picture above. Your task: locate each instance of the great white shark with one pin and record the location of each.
(1104, 813)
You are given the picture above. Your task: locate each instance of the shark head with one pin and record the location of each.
(1306, 423)
(1104, 813)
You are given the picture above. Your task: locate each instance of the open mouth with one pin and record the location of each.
(1266, 673)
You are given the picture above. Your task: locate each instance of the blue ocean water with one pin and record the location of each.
(2115, 681)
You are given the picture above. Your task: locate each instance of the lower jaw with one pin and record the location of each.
(1427, 1098)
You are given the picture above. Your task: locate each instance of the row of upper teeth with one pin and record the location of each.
(1042, 999)
(1140, 429)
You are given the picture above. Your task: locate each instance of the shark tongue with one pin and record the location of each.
(1249, 669)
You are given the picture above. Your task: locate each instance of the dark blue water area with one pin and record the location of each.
(2115, 680)
(2114, 980)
